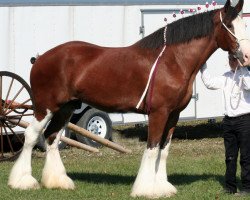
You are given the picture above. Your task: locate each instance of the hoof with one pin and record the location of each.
(62, 182)
(154, 191)
(25, 183)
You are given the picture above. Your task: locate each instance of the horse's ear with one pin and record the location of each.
(227, 5)
(239, 6)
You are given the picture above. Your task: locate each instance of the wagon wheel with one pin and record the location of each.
(16, 105)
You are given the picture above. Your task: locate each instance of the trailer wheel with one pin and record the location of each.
(16, 105)
(97, 122)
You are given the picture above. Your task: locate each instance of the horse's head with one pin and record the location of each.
(232, 35)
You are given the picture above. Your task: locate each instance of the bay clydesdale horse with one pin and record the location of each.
(113, 80)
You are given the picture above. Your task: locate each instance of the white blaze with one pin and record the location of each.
(243, 38)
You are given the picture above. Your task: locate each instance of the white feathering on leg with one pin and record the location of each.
(21, 173)
(54, 173)
(151, 180)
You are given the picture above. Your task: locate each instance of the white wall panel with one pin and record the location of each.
(4, 39)
(246, 8)
(28, 30)
(100, 25)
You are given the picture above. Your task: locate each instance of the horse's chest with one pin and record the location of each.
(186, 95)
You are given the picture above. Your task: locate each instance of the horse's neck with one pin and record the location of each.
(197, 53)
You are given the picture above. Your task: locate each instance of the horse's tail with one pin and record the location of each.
(33, 59)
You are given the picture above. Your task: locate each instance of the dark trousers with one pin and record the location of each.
(237, 138)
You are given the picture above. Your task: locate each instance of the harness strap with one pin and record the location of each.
(151, 88)
(150, 77)
(152, 74)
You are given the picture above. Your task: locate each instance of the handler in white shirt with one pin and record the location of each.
(236, 124)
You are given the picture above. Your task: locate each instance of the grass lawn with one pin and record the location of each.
(195, 166)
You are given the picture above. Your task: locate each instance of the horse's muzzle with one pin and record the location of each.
(240, 56)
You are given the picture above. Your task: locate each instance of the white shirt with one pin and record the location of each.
(236, 89)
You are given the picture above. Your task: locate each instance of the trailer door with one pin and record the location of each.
(152, 20)
(246, 17)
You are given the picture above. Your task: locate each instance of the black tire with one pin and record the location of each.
(98, 122)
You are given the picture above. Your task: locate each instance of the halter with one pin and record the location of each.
(237, 39)
(228, 28)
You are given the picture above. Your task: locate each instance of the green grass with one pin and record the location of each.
(195, 166)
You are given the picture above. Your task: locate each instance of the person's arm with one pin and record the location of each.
(212, 83)
(245, 77)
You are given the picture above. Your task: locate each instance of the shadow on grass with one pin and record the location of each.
(98, 178)
(184, 130)
(175, 179)
(183, 179)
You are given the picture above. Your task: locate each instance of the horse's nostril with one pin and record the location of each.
(246, 57)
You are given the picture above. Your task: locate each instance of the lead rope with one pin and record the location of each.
(152, 70)
(233, 81)
(238, 92)
(233, 85)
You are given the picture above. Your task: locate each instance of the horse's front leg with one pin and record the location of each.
(151, 180)
(54, 173)
(20, 175)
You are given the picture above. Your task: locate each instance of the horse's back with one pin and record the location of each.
(61, 61)
(53, 72)
(94, 74)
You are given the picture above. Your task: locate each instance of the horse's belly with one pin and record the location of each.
(111, 94)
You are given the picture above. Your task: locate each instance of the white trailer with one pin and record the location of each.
(31, 27)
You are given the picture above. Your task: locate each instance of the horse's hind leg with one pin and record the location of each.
(54, 173)
(20, 175)
(151, 180)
